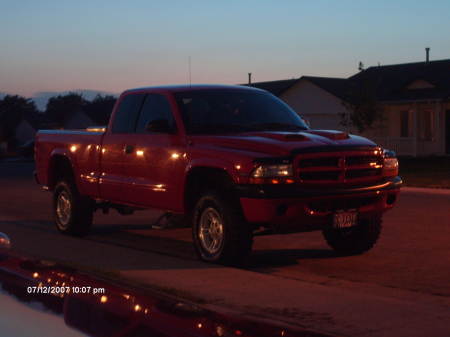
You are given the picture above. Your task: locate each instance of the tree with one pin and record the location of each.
(60, 108)
(363, 107)
(13, 109)
(99, 110)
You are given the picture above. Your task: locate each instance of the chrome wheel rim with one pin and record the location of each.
(63, 208)
(211, 231)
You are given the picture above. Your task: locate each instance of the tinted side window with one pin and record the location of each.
(127, 113)
(156, 107)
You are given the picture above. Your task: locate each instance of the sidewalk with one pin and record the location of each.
(343, 308)
(317, 303)
(442, 191)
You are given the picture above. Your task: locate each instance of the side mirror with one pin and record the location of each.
(159, 126)
(5, 242)
(389, 154)
(307, 122)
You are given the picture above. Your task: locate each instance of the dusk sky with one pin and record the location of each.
(112, 45)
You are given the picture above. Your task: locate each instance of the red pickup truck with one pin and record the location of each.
(235, 161)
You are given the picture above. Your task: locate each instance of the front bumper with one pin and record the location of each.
(290, 208)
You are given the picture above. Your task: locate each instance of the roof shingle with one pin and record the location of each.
(274, 87)
(390, 81)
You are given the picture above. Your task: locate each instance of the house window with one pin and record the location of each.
(404, 124)
(426, 125)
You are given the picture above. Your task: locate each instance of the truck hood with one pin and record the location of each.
(277, 143)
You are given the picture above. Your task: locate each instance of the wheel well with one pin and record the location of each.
(200, 179)
(60, 168)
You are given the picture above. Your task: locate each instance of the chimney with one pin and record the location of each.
(427, 50)
(249, 78)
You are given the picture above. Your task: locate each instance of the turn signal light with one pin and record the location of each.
(390, 164)
(271, 181)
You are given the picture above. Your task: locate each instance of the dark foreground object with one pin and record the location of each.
(99, 308)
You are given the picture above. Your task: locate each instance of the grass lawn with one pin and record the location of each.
(426, 172)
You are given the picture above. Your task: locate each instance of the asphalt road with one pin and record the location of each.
(411, 260)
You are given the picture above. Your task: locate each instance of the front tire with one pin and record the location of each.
(73, 212)
(355, 240)
(220, 232)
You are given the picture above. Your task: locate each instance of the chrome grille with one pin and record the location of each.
(344, 167)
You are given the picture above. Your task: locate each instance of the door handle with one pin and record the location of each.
(128, 149)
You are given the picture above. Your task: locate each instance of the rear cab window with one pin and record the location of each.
(156, 107)
(127, 113)
(136, 111)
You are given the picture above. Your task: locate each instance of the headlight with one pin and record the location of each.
(272, 171)
(272, 174)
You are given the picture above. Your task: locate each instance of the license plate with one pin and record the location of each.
(345, 219)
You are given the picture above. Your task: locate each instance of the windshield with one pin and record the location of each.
(227, 111)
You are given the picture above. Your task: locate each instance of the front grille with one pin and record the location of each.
(312, 162)
(341, 204)
(353, 174)
(361, 160)
(346, 167)
(325, 175)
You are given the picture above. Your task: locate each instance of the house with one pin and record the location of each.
(24, 132)
(416, 101)
(78, 120)
(319, 100)
(414, 97)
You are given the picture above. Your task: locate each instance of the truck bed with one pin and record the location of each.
(82, 147)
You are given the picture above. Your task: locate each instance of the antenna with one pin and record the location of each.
(189, 66)
(360, 66)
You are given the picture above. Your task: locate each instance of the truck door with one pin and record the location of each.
(447, 132)
(155, 160)
(113, 152)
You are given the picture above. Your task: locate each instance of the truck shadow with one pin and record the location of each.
(120, 235)
(153, 241)
(261, 259)
(171, 253)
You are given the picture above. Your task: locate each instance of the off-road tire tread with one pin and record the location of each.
(238, 234)
(82, 210)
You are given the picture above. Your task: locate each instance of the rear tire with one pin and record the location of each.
(220, 232)
(73, 212)
(355, 240)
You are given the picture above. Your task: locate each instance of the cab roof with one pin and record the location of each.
(193, 87)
